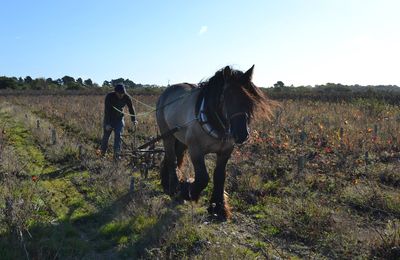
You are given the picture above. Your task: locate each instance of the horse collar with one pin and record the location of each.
(205, 124)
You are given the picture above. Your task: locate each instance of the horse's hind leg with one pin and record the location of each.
(219, 203)
(169, 180)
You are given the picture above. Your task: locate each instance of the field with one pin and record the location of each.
(320, 180)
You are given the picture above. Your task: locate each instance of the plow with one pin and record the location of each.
(146, 156)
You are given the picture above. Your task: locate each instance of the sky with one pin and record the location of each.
(298, 42)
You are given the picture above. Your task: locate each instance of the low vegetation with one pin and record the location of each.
(321, 180)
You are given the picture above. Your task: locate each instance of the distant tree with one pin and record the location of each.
(52, 84)
(28, 80)
(6, 82)
(79, 81)
(67, 80)
(106, 83)
(279, 84)
(117, 81)
(129, 83)
(88, 83)
(59, 82)
(39, 83)
(74, 86)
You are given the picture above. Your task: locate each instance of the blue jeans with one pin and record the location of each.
(118, 127)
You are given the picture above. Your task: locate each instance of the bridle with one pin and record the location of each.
(224, 123)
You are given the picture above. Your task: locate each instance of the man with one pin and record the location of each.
(114, 118)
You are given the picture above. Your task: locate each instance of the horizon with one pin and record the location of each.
(301, 43)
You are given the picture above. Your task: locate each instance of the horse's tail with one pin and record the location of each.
(180, 151)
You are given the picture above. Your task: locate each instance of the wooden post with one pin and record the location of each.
(278, 114)
(132, 185)
(300, 164)
(366, 157)
(144, 171)
(303, 137)
(80, 151)
(53, 136)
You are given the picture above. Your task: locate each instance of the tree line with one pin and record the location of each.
(330, 92)
(66, 82)
(333, 92)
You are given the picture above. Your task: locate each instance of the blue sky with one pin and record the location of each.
(300, 42)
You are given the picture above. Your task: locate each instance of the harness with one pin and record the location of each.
(205, 122)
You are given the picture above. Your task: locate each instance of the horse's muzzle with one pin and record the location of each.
(239, 139)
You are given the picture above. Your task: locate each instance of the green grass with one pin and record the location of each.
(30, 159)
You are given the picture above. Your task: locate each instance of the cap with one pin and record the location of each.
(120, 88)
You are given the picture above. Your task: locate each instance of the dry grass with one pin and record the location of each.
(318, 181)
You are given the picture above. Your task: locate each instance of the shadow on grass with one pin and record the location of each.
(82, 237)
(153, 237)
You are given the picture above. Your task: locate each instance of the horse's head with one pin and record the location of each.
(237, 102)
(232, 101)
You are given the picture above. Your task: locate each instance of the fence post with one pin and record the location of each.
(53, 136)
(375, 136)
(300, 164)
(80, 152)
(366, 157)
(278, 114)
(144, 170)
(303, 137)
(132, 185)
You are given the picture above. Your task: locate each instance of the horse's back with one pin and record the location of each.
(173, 91)
(176, 106)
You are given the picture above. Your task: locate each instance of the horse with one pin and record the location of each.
(210, 117)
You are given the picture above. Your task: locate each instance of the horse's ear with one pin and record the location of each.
(248, 75)
(227, 73)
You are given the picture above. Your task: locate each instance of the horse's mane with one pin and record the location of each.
(256, 102)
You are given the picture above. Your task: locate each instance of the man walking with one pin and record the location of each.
(114, 118)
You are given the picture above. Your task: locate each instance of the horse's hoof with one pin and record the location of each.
(218, 213)
(177, 199)
(217, 218)
(184, 190)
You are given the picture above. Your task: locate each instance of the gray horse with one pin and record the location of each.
(207, 118)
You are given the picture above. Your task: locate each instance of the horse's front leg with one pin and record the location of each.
(219, 205)
(191, 191)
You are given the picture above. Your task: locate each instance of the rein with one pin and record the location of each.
(156, 109)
